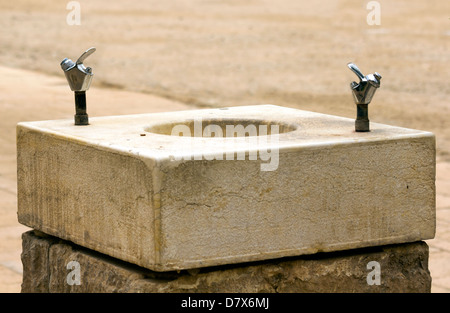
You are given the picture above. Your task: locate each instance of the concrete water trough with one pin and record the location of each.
(181, 190)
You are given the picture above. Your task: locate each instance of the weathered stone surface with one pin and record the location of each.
(109, 188)
(35, 260)
(403, 268)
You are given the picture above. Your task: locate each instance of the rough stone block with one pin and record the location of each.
(402, 268)
(125, 186)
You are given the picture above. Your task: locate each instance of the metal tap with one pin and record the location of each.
(79, 78)
(362, 94)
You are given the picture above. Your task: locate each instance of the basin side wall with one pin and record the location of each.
(85, 194)
(337, 197)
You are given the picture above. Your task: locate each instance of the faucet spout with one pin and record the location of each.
(363, 93)
(79, 78)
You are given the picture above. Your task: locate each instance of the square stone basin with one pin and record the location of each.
(187, 189)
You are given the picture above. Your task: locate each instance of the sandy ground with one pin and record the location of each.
(171, 55)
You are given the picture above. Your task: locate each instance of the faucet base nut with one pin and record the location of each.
(362, 126)
(81, 119)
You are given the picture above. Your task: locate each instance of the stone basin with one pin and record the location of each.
(180, 190)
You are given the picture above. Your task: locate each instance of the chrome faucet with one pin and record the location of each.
(79, 78)
(362, 94)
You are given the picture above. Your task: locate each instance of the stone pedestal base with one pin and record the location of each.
(54, 265)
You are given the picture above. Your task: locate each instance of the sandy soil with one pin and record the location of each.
(208, 53)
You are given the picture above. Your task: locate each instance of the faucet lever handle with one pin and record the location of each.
(356, 70)
(85, 54)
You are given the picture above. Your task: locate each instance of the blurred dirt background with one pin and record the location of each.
(170, 55)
